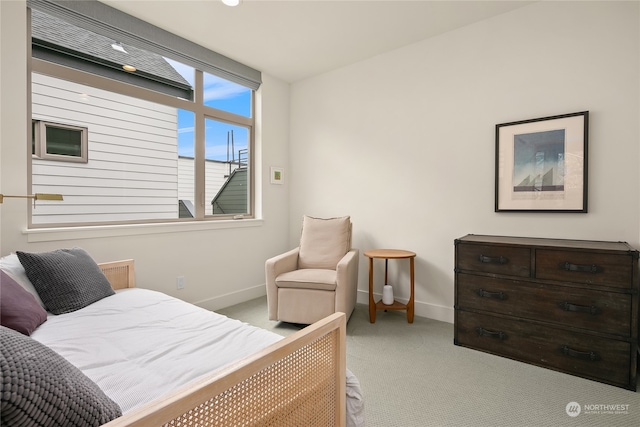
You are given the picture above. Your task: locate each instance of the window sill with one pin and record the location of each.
(100, 231)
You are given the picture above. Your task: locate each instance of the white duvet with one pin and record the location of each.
(138, 345)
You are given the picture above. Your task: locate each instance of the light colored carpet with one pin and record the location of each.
(413, 375)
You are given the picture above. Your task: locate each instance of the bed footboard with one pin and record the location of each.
(297, 381)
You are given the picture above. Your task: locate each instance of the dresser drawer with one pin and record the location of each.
(596, 311)
(591, 268)
(506, 260)
(586, 355)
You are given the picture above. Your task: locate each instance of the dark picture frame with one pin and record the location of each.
(541, 164)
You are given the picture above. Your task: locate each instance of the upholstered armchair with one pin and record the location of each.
(316, 279)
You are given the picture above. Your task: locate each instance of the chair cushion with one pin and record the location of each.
(324, 242)
(309, 278)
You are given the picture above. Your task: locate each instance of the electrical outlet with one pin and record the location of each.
(180, 282)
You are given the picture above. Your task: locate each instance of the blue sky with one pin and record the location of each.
(223, 95)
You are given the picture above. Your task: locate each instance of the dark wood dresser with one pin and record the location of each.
(567, 305)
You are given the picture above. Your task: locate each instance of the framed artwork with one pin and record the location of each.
(541, 164)
(277, 175)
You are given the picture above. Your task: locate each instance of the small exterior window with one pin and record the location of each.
(54, 141)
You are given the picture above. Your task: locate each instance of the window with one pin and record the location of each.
(55, 141)
(227, 146)
(149, 136)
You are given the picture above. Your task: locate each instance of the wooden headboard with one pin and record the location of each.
(119, 273)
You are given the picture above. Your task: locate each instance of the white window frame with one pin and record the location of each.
(40, 139)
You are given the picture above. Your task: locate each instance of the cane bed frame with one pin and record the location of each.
(297, 381)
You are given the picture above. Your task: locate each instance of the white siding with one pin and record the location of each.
(216, 173)
(186, 180)
(132, 172)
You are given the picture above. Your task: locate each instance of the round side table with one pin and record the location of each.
(388, 254)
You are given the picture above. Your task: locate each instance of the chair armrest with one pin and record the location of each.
(347, 282)
(274, 267)
(348, 261)
(282, 263)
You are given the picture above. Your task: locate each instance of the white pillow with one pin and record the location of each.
(12, 266)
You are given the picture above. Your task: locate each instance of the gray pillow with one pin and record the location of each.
(41, 388)
(66, 279)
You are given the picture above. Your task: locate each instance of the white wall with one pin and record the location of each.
(404, 142)
(222, 264)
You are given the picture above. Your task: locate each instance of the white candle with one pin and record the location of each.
(387, 295)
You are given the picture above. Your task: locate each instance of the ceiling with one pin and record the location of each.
(296, 39)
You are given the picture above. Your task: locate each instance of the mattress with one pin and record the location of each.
(139, 345)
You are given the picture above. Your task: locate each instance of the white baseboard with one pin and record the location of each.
(233, 298)
(422, 309)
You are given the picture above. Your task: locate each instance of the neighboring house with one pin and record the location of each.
(120, 180)
(217, 173)
(231, 198)
(126, 165)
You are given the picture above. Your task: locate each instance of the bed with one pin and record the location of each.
(178, 375)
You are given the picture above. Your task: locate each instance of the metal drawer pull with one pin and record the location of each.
(485, 333)
(586, 355)
(581, 268)
(487, 294)
(567, 306)
(493, 260)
